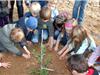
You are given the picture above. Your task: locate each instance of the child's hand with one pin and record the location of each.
(61, 57)
(47, 45)
(55, 48)
(5, 65)
(26, 56)
(60, 52)
(29, 43)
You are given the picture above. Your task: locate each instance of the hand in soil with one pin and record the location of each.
(26, 56)
(29, 43)
(60, 52)
(61, 57)
(56, 48)
(5, 65)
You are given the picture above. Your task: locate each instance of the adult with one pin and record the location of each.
(78, 10)
(19, 9)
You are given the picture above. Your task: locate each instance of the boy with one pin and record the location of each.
(45, 25)
(29, 27)
(79, 66)
(54, 11)
(10, 35)
(34, 10)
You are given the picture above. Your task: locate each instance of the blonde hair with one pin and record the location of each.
(35, 8)
(16, 35)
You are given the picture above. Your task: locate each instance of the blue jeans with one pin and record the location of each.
(78, 10)
(45, 35)
(35, 37)
(56, 34)
(63, 40)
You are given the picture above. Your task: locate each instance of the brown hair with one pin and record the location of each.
(45, 13)
(80, 33)
(16, 35)
(78, 63)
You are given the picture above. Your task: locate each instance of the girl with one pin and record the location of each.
(64, 34)
(78, 43)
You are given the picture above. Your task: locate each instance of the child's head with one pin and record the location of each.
(35, 8)
(45, 14)
(31, 23)
(78, 34)
(59, 21)
(77, 64)
(68, 26)
(52, 4)
(16, 35)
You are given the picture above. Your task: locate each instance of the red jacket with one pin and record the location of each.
(92, 71)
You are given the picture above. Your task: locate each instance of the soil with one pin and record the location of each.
(21, 66)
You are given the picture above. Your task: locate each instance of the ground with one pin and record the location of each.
(21, 66)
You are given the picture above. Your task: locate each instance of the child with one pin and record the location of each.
(29, 27)
(54, 11)
(59, 30)
(42, 3)
(78, 65)
(45, 25)
(78, 43)
(64, 36)
(34, 10)
(10, 35)
(4, 64)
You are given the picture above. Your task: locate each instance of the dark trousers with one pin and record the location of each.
(4, 20)
(19, 9)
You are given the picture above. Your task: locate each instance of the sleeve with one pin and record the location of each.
(51, 29)
(22, 43)
(9, 45)
(94, 56)
(92, 44)
(83, 47)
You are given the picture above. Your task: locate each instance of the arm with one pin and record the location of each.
(51, 33)
(23, 45)
(50, 42)
(94, 56)
(92, 44)
(83, 47)
(9, 45)
(63, 49)
(58, 41)
(26, 50)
